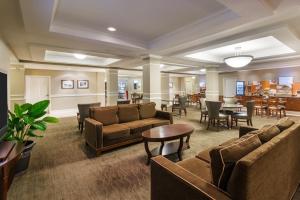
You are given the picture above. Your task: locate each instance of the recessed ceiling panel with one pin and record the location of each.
(64, 57)
(140, 19)
(258, 48)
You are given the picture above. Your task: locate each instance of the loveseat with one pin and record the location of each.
(115, 126)
(263, 164)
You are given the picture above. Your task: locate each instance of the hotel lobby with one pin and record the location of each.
(140, 99)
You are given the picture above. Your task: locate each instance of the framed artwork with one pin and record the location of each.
(67, 84)
(82, 84)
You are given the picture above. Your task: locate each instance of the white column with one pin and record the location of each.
(196, 84)
(165, 90)
(151, 80)
(101, 88)
(112, 86)
(212, 84)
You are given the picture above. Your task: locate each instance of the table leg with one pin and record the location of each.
(149, 155)
(161, 147)
(179, 152)
(188, 141)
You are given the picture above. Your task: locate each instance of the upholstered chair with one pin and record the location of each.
(213, 108)
(244, 116)
(181, 105)
(84, 112)
(203, 110)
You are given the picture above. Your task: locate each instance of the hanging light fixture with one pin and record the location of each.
(238, 60)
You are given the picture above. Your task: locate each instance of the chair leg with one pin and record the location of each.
(209, 120)
(218, 124)
(185, 111)
(201, 118)
(204, 117)
(227, 122)
(81, 129)
(236, 122)
(251, 122)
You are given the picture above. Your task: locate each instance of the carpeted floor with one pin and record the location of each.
(62, 168)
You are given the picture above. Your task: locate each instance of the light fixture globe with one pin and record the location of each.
(238, 61)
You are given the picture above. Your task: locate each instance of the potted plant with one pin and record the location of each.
(23, 123)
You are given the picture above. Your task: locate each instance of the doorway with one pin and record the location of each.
(37, 88)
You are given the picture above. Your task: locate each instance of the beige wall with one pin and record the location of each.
(258, 75)
(69, 98)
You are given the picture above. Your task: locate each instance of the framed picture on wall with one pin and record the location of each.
(67, 84)
(82, 84)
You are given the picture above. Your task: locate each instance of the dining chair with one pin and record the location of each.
(244, 116)
(213, 108)
(282, 106)
(180, 105)
(203, 109)
(84, 112)
(261, 106)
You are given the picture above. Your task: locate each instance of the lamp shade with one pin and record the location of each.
(238, 61)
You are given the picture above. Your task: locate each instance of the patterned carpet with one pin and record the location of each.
(62, 168)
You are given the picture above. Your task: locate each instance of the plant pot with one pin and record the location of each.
(24, 160)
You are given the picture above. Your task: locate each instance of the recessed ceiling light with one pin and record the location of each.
(193, 77)
(79, 56)
(112, 29)
(162, 66)
(202, 70)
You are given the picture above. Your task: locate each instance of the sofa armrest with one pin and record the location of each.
(164, 115)
(245, 129)
(170, 181)
(93, 133)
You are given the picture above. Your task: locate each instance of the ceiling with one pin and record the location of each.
(53, 30)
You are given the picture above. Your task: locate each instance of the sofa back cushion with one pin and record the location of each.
(224, 158)
(266, 133)
(284, 123)
(128, 113)
(269, 172)
(105, 115)
(147, 110)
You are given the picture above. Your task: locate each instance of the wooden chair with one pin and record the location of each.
(213, 108)
(260, 106)
(282, 106)
(273, 107)
(244, 116)
(84, 112)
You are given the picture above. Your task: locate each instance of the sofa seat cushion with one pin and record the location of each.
(128, 113)
(115, 131)
(284, 123)
(224, 158)
(147, 110)
(155, 122)
(105, 115)
(137, 126)
(197, 167)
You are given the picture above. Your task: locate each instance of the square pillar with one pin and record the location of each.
(212, 84)
(151, 80)
(165, 90)
(112, 86)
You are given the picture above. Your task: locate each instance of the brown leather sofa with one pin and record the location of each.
(262, 164)
(115, 126)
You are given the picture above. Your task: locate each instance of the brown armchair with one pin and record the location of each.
(84, 112)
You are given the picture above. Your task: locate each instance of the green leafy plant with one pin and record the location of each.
(27, 119)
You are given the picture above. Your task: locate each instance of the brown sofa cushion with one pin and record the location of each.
(224, 158)
(284, 123)
(154, 122)
(105, 115)
(197, 167)
(115, 131)
(128, 113)
(137, 126)
(147, 110)
(204, 155)
(266, 133)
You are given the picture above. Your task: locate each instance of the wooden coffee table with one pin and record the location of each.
(166, 133)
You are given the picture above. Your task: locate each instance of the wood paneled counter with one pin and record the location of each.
(292, 102)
